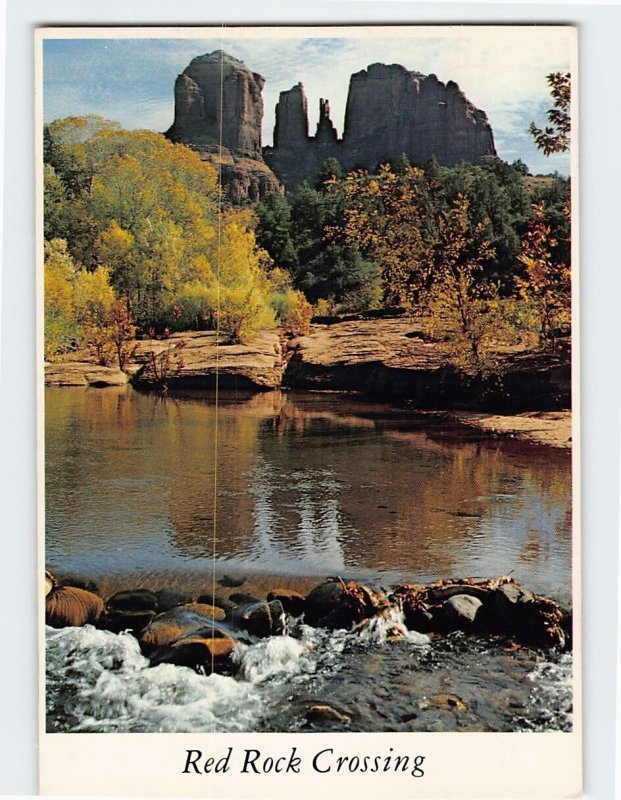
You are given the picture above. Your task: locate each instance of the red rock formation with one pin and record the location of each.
(390, 111)
(218, 112)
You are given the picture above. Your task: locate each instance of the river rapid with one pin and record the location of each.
(308, 486)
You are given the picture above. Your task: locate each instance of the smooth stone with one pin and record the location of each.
(133, 600)
(70, 606)
(293, 602)
(458, 612)
(216, 600)
(119, 621)
(180, 621)
(196, 651)
(168, 598)
(259, 619)
(230, 582)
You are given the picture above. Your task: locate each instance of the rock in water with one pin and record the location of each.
(292, 601)
(458, 612)
(166, 628)
(133, 600)
(168, 598)
(259, 619)
(334, 604)
(70, 606)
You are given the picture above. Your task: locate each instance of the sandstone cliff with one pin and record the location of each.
(390, 111)
(218, 112)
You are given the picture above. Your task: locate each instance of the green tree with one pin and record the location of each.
(556, 137)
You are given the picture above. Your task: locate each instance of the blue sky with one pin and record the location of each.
(131, 80)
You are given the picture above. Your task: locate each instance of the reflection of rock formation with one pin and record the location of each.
(305, 484)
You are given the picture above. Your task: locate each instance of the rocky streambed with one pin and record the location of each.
(452, 655)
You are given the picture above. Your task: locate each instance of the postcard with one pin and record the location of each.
(308, 411)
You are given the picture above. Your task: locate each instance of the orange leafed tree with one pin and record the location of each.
(547, 279)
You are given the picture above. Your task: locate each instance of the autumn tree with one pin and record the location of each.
(155, 223)
(458, 299)
(387, 216)
(547, 279)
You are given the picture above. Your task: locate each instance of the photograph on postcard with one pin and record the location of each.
(307, 354)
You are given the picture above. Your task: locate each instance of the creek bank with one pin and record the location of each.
(382, 356)
(393, 358)
(204, 635)
(549, 428)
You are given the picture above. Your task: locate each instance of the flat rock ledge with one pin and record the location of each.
(392, 358)
(81, 373)
(550, 428)
(256, 364)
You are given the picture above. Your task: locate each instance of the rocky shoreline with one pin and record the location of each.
(201, 632)
(384, 357)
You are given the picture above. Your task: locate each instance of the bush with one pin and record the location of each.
(293, 312)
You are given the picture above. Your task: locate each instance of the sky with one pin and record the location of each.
(502, 70)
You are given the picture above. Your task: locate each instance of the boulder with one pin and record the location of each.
(136, 600)
(119, 621)
(67, 606)
(259, 619)
(334, 604)
(166, 628)
(168, 598)
(198, 652)
(232, 582)
(293, 602)
(457, 613)
(216, 600)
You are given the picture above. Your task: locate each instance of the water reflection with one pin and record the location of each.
(304, 484)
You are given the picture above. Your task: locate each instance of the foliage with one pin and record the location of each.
(388, 216)
(147, 213)
(555, 137)
(240, 311)
(457, 297)
(547, 282)
(121, 331)
(293, 312)
(160, 367)
(61, 328)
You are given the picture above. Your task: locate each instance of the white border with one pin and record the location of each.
(600, 292)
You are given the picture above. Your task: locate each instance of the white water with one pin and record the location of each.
(551, 696)
(99, 681)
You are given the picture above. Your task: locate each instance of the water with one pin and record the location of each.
(99, 682)
(307, 485)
